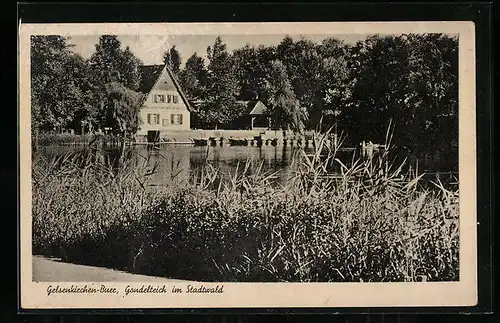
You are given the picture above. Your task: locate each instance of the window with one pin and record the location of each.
(176, 119)
(169, 98)
(160, 98)
(175, 99)
(153, 118)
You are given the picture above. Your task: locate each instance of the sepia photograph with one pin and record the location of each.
(226, 156)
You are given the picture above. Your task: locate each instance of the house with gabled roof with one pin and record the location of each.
(166, 107)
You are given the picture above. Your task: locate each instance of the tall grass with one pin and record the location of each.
(373, 222)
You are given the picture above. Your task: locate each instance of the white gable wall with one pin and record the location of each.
(160, 116)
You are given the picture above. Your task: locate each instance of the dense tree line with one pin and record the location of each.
(409, 79)
(69, 92)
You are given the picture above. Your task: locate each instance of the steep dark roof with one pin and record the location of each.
(179, 88)
(149, 75)
(149, 78)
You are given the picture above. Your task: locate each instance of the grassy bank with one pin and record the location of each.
(374, 222)
(47, 139)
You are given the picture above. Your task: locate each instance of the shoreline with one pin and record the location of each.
(47, 269)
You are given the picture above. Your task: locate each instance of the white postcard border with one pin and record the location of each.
(265, 295)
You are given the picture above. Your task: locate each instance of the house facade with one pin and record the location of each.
(166, 108)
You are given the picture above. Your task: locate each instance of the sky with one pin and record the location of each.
(150, 48)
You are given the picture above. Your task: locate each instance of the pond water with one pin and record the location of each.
(178, 161)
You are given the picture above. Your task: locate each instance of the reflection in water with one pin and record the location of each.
(177, 163)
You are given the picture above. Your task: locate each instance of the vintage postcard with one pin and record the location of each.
(249, 165)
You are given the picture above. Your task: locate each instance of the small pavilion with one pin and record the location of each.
(259, 119)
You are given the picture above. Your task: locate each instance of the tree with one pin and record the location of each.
(46, 52)
(112, 64)
(303, 63)
(285, 109)
(106, 59)
(433, 81)
(59, 81)
(116, 78)
(120, 110)
(265, 58)
(411, 79)
(220, 105)
(252, 64)
(337, 87)
(129, 69)
(172, 58)
(286, 52)
(83, 86)
(380, 88)
(332, 47)
(193, 78)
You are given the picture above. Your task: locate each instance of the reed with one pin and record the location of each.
(373, 222)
